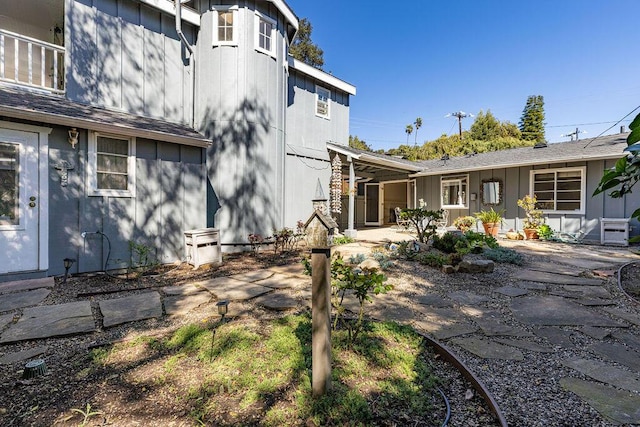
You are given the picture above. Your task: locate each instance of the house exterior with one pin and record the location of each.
(136, 120)
(563, 176)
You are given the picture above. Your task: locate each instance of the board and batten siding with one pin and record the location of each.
(516, 182)
(241, 106)
(126, 56)
(170, 198)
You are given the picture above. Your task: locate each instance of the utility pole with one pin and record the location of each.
(460, 115)
(572, 134)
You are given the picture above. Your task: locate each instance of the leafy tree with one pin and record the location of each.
(418, 124)
(357, 143)
(409, 131)
(485, 127)
(303, 49)
(626, 173)
(532, 121)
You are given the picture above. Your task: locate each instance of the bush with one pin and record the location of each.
(480, 238)
(545, 232)
(504, 255)
(448, 242)
(342, 240)
(407, 250)
(432, 259)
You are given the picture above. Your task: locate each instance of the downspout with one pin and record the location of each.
(186, 44)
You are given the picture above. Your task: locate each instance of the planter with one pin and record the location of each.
(531, 233)
(491, 228)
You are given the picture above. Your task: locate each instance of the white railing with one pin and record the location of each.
(26, 61)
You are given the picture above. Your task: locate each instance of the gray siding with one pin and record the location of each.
(126, 56)
(302, 175)
(170, 195)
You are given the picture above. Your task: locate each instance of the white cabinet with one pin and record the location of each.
(614, 231)
(202, 246)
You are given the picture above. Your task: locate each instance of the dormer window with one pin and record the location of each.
(322, 102)
(225, 30)
(265, 31)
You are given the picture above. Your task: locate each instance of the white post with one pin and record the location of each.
(351, 231)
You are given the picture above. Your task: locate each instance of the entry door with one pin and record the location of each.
(19, 201)
(372, 206)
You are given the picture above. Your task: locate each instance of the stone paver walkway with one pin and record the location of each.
(555, 301)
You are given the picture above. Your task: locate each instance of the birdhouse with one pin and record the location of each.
(319, 229)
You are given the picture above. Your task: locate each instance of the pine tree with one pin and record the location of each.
(532, 121)
(303, 49)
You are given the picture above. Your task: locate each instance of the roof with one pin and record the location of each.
(42, 107)
(321, 76)
(375, 159)
(604, 147)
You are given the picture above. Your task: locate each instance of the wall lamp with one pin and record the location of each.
(73, 137)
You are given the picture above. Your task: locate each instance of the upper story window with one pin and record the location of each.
(322, 102)
(453, 192)
(559, 190)
(111, 165)
(225, 25)
(265, 32)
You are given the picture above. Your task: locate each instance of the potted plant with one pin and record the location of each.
(491, 221)
(534, 216)
(464, 223)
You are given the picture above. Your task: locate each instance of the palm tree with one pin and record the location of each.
(418, 124)
(409, 131)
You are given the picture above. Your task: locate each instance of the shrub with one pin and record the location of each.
(464, 223)
(407, 250)
(423, 220)
(545, 232)
(342, 240)
(432, 259)
(485, 239)
(504, 255)
(448, 242)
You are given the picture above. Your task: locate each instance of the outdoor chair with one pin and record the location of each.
(403, 224)
(441, 224)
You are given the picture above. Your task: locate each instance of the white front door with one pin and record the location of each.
(19, 201)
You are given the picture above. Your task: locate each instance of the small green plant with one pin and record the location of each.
(480, 239)
(86, 413)
(342, 240)
(464, 223)
(357, 259)
(534, 216)
(449, 242)
(432, 259)
(407, 249)
(141, 259)
(383, 259)
(545, 232)
(504, 255)
(490, 217)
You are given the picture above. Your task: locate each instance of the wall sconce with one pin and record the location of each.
(73, 137)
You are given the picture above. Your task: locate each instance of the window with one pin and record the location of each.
(559, 190)
(9, 188)
(265, 34)
(453, 192)
(322, 102)
(224, 25)
(111, 165)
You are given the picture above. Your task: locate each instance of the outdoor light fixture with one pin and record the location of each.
(73, 137)
(222, 307)
(68, 262)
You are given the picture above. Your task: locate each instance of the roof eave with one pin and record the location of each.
(372, 159)
(322, 76)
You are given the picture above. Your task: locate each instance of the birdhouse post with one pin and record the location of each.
(319, 229)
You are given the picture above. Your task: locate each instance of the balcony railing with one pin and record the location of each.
(26, 61)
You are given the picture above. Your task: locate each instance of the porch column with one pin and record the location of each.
(351, 231)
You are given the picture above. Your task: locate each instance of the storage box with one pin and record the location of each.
(614, 231)
(202, 246)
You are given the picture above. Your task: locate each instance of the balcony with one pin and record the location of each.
(28, 62)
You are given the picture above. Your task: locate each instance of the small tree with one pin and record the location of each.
(357, 143)
(303, 49)
(423, 220)
(532, 120)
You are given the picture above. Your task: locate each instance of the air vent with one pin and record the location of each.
(540, 145)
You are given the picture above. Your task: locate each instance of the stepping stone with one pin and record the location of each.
(19, 356)
(51, 321)
(605, 373)
(584, 262)
(511, 291)
(277, 301)
(233, 290)
(438, 315)
(618, 353)
(25, 285)
(558, 279)
(553, 267)
(284, 281)
(532, 286)
(616, 405)
(182, 290)
(22, 299)
(464, 297)
(493, 327)
(449, 331)
(589, 291)
(552, 310)
(180, 305)
(488, 349)
(129, 309)
(627, 339)
(433, 300)
(253, 276)
(631, 318)
(295, 268)
(5, 319)
(525, 345)
(556, 336)
(593, 332)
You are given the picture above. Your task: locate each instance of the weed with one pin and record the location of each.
(87, 413)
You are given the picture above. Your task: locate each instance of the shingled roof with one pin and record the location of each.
(41, 107)
(604, 147)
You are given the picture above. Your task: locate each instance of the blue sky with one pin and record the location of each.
(427, 58)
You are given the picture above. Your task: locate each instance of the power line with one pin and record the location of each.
(460, 115)
(612, 126)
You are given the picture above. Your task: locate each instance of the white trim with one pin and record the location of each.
(456, 179)
(287, 12)
(272, 37)
(93, 189)
(168, 6)
(583, 188)
(328, 102)
(372, 159)
(321, 76)
(215, 31)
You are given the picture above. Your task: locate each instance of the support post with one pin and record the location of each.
(320, 321)
(351, 231)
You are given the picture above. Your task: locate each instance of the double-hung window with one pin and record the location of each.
(559, 190)
(453, 192)
(265, 34)
(111, 165)
(225, 25)
(322, 102)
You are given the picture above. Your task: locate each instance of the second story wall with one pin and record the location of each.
(127, 56)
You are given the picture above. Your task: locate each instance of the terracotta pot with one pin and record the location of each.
(531, 233)
(491, 228)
